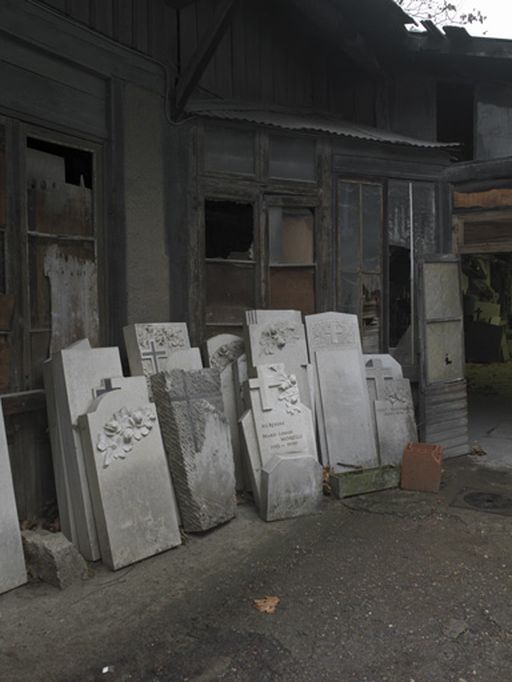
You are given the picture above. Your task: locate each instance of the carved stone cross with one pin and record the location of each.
(153, 355)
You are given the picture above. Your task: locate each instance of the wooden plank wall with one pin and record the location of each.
(262, 58)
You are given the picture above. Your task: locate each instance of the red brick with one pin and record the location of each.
(421, 467)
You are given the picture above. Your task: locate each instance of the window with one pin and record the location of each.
(292, 258)
(360, 213)
(292, 158)
(455, 116)
(229, 150)
(230, 262)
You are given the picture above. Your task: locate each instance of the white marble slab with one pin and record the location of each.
(131, 489)
(73, 377)
(12, 562)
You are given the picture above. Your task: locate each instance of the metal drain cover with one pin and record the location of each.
(484, 500)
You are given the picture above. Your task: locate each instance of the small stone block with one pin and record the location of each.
(52, 558)
(354, 483)
(421, 467)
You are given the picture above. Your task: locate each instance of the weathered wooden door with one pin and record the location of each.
(443, 392)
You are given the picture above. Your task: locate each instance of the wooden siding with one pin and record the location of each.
(262, 58)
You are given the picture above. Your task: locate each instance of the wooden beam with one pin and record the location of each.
(189, 79)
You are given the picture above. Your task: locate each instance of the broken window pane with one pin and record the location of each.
(399, 213)
(229, 292)
(291, 236)
(399, 293)
(293, 289)
(59, 189)
(349, 225)
(372, 313)
(229, 150)
(292, 158)
(229, 230)
(350, 293)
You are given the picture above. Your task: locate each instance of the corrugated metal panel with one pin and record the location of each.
(311, 123)
(444, 417)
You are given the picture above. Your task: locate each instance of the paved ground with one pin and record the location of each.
(391, 587)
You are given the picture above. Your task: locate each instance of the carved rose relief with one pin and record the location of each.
(173, 339)
(288, 391)
(226, 354)
(276, 336)
(123, 431)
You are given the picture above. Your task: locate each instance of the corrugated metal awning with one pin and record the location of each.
(324, 124)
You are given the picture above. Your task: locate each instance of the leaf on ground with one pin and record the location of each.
(267, 604)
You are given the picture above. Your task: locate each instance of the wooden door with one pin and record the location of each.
(443, 408)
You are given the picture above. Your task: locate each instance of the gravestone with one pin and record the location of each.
(379, 372)
(222, 352)
(395, 421)
(198, 445)
(73, 378)
(12, 563)
(189, 358)
(149, 346)
(278, 336)
(131, 489)
(281, 448)
(345, 405)
(331, 331)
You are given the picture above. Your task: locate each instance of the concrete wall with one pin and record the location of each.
(147, 262)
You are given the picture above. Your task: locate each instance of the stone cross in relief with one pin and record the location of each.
(154, 356)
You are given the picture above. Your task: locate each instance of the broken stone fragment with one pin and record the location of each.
(53, 559)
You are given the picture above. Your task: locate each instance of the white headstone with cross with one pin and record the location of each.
(280, 444)
(149, 346)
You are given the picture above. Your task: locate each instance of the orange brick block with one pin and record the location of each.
(421, 467)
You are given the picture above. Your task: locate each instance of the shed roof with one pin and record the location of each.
(320, 123)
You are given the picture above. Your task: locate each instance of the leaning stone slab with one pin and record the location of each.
(149, 346)
(278, 336)
(198, 445)
(131, 489)
(222, 352)
(345, 404)
(330, 331)
(395, 421)
(73, 378)
(189, 358)
(280, 446)
(53, 559)
(12, 564)
(381, 370)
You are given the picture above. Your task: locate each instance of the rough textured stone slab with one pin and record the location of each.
(12, 563)
(53, 559)
(222, 352)
(198, 445)
(149, 346)
(345, 405)
(330, 331)
(395, 421)
(73, 377)
(133, 498)
(278, 336)
(280, 445)
(183, 359)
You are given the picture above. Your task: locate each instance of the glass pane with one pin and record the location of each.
(349, 225)
(350, 293)
(399, 293)
(372, 298)
(293, 289)
(229, 292)
(424, 211)
(292, 158)
(291, 236)
(372, 227)
(3, 190)
(230, 151)
(399, 213)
